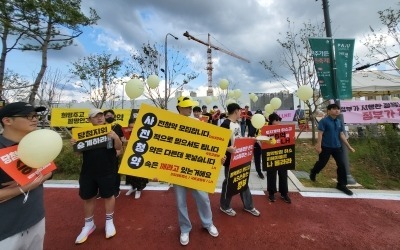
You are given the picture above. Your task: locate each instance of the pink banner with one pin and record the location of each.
(370, 111)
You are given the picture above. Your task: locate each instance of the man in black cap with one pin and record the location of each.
(22, 207)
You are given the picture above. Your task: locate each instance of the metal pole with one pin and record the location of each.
(166, 70)
(325, 6)
(123, 93)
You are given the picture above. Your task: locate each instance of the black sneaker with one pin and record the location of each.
(286, 198)
(271, 198)
(312, 176)
(344, 189)
(261, 176)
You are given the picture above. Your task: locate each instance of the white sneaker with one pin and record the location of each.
(86, 231)
(137, 194)
(130, 191)
(212, 230)
(184, 239)
(110, 230)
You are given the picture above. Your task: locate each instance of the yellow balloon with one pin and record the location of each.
(153, 81)
(258, 121)
(276, 102)
(231, 94)
(229, 101)
(395, 98)
(255, 98)
(304, 92)
(39, 148)
(134, 88)
(269, 108)
(223, 84)
(208, 99)
(196, 103)
(237, 93)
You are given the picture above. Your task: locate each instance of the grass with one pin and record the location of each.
(364, 171)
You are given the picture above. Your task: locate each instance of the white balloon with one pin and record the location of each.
(395, 98)
(229, 101)
(223, 84)
(208, 99)
(39, 148)
(134, 88)
(258, 121)
(237, 93)
(269, 108)
(153, 81)
(255, 98)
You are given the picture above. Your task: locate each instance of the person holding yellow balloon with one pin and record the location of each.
(98, 177)
(21, 207)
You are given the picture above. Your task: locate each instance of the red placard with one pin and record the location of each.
(284, 134)
(16, 169)
(244, 151)
(127, 132)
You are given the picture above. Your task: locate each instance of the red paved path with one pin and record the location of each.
(151, 223)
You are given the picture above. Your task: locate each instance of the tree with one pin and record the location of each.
(97, 74)
(147, 61)
(51, 88)
(384, 43)
(15, 87)
(46, 25)
(296, 58)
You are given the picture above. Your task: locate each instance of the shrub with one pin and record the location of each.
(68, 162)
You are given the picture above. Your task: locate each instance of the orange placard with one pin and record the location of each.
(127, 132)
(204, 118)
(16, 169)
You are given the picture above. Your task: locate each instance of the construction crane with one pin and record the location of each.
(209, 61)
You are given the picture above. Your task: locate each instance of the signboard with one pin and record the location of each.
(344, 49)
(368, 112)
(64, 117)
(90, 137)
(322, 54)
(240, 165)
(17, 170)
(280, 155)
(175, 148)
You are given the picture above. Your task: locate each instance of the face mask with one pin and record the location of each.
(110, 119)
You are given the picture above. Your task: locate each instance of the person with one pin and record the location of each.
(109, 116)
(253, 132)
(205, 113)
(21, 207)
(222, 118)
(330, 141)
(184, 107)
(225, 201)
(274, 119)
(98, 176)
(137, 183)
(215, 115)
(299, 115)
(245, 120)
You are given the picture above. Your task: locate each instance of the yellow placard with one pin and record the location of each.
(177, 149)
(65, 117)
(80, 134)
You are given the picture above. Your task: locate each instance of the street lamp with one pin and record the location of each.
(166, 68)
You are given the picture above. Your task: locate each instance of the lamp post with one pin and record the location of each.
(166, 69)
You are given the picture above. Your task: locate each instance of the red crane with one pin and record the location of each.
(209, 61)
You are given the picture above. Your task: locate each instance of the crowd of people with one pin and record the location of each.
(99, 173)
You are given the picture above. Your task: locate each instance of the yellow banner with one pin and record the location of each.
(80, 134)
(175, 149)
(65, 117)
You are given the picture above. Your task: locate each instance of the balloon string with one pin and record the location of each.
(26, 195)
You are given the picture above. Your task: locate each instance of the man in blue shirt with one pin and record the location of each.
(331, 137)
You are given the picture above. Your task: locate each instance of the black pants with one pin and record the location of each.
(323, 159)
(283, 183)
(257, 157)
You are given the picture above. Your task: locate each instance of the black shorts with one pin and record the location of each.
(90, 186)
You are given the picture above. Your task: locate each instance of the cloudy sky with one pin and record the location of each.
(248, 28)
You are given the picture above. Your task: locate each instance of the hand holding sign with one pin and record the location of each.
(39, 148)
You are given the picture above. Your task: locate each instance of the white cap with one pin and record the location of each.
(94, 112)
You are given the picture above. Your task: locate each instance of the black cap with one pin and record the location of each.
(18, 108)
(273, 117)
(332, 106)
(258, 111)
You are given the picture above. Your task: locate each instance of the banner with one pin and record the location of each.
(90, 137)
(322, 54)
(65, 117)
(369, 112)
(17, 170)
(240, 165)
(344, 49)
(280, 155)
(176, 149)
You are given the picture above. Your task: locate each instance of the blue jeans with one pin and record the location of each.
(243, 128)
(203, 208)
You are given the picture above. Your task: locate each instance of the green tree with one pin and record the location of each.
(97, 74)
(147, 61)
(296, 59)
(43, 26)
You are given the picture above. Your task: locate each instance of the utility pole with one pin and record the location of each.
(327, 19)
